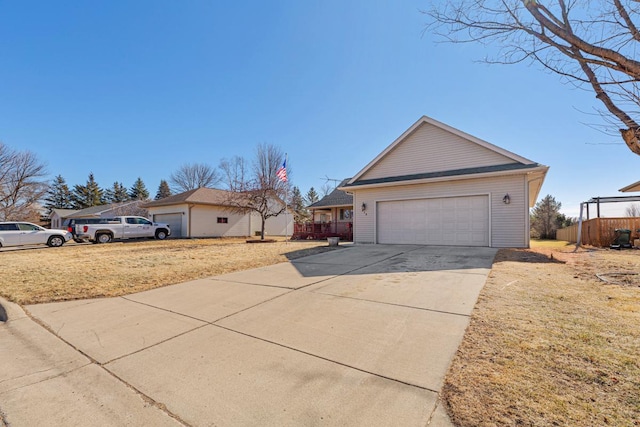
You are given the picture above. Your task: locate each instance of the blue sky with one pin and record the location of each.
(128, 89)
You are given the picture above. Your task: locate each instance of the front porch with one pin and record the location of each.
(322, 230)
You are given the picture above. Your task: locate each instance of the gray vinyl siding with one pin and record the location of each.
(432, 149)
(508, 223)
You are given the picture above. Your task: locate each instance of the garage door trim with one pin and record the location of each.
(174, 231)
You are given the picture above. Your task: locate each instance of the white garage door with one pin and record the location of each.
(452, 221)
(174, 221)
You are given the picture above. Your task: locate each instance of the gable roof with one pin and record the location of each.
(512, 158)
(478, 159)
(63, 213)
(100, 209)
(336, 198)
(199, 196)
(497, 162)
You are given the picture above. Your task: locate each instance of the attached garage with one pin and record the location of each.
(436, 185)
(457, 221)
(173, 219)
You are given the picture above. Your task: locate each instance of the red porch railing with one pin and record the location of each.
(322, 230)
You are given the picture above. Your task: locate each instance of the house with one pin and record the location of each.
(331, 216)
(203, 212)
(437, 185)
(111, 210)
(57, 217)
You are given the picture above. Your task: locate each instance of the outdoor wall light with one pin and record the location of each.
(364, 206)
(506, 199)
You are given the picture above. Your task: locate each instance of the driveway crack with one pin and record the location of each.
(158, 405)
(327, 359)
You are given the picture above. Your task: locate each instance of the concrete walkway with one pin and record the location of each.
(358, 336)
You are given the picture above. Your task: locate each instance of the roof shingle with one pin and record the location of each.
(335, 198)
(200, 196)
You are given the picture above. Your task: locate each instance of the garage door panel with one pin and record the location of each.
(174, 220)
(462, 221)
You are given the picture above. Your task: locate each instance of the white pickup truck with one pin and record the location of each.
(122, 227)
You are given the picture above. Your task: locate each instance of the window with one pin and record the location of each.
(28, 227)
(223, 220)
(346, 214)
(8, 227)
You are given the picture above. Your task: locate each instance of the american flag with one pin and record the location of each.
(282, 172)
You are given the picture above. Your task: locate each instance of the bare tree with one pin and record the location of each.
(326, 189)
(633, 210)
(21, 184)
(191, 176)
(131, 208)
(592, 44)
(236, 175)
(259, 190)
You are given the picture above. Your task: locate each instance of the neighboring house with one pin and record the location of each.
(58, 216)
(111, 210)
(437, 185)
(331, 216)
(203, 213)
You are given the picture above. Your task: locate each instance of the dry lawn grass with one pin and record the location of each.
(551, 344)
(89, 271)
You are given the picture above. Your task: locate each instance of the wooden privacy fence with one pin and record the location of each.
(599, 231)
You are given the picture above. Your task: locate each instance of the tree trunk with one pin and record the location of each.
(262, 229)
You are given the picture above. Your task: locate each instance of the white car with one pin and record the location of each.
(15, 233)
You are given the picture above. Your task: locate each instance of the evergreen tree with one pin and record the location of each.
(58, 196)
(163, 190)
(300, 213)
(138, 191)
(85, 196)
(116, 194)
(563, 221)
(312, 196)
(544, 217)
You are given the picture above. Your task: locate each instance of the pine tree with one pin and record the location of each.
(300, 213)
(163, 190)
(85, 196)
(58, 196)
(312, 196)
(544, 218)
(116, 194)
(138, 191)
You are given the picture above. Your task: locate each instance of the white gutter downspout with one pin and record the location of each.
(190, 206)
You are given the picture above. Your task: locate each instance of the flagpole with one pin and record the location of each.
(286, 204)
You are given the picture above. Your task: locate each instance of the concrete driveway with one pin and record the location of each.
(358, 336)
